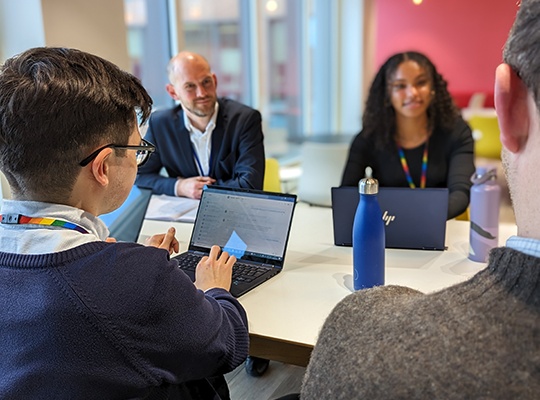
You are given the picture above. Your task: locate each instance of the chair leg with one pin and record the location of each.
(256, 366)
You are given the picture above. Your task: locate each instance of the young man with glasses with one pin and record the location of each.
(81, 316)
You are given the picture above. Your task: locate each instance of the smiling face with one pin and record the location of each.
(193, 84)
(410, 90)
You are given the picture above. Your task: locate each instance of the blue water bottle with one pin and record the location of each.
(368, 238)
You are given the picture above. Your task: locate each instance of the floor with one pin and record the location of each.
(279, 380)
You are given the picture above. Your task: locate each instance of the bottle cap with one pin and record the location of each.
(368, 172)
(368, 186)
(482, 175)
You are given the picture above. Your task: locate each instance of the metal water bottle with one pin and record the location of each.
(368, 238)
(484, 213)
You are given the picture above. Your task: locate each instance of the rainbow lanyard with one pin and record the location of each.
(17, 219)
(406, 167)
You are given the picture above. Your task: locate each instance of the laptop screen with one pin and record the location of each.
(125, 223)
(248, 224)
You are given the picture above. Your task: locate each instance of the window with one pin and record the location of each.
(214, 30)
(280, 45)
(149, 46)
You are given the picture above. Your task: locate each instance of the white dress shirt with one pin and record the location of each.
(202, 142)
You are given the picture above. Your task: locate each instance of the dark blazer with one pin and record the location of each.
(237, 149)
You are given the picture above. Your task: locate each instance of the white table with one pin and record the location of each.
(286, 313)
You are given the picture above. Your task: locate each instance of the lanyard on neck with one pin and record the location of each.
(201, 171)
(406, 167)
(17, 219)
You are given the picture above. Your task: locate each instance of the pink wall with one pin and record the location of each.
(463, 38)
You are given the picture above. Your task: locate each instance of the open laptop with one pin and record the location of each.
(413, 218)
(126, 222)
(252, 225)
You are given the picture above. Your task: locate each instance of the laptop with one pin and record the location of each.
(252, 225)
(126, 222)
(413, 218)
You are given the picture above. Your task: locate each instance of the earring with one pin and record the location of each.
(433, 92)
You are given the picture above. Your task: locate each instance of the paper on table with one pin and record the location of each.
(169, 208)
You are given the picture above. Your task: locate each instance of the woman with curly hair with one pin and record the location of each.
(413, 135)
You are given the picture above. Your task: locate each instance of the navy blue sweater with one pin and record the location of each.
(112, 321)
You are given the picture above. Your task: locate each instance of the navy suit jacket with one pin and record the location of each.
(237, 149)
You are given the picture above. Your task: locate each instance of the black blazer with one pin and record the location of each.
(237, 149)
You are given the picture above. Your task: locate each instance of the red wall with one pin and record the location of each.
(463, 38)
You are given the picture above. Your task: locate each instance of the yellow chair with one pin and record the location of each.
(271, 176)
(465, 216)
(486, 136)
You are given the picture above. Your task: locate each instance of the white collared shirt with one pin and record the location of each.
(44, 239)
(202, 141)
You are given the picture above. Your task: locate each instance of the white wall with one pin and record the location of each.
(94, 26)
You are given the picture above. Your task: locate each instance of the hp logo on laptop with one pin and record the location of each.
(387, 218)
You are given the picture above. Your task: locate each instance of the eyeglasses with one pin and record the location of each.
(143, 152)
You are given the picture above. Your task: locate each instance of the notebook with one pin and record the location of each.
(413, 218)
(126, 222)
(252, 225)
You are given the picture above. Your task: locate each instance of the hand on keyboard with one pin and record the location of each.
(215, 270)
(165, 241)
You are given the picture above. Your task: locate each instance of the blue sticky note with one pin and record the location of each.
(235, 246)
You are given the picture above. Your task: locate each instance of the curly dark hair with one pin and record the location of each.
(379, 119)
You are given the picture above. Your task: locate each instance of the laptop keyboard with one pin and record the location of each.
(242, 272)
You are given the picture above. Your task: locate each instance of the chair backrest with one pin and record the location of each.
(322, 169)
(271, 176)
(486, 136)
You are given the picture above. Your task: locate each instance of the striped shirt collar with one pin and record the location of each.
(528, 246)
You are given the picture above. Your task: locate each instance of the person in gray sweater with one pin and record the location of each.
(475, 340)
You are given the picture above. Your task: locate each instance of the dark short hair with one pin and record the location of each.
(57, 105)
(379, 119)
(522, 49)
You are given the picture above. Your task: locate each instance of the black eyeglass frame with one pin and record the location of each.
(148, 148)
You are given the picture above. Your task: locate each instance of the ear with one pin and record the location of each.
(100, 167)
(215, 80)
(511, 97)
(172, 91)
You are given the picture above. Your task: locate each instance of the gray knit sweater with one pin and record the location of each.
(475, 340)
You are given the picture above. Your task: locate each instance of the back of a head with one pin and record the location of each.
(522, 50)
(56, 106)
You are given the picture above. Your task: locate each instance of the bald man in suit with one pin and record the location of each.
(204, 140)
